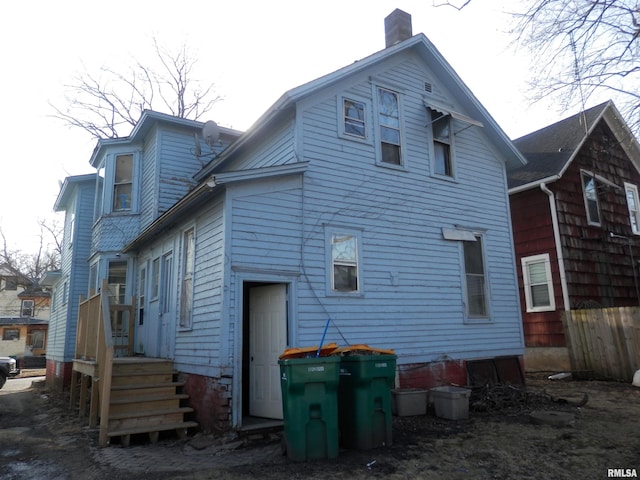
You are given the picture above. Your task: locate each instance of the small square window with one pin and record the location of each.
(354, 123)
(27, 309)
(10, 283)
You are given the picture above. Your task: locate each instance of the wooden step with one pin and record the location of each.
(119, 379)
(152, 419)
(182, 410)
(142, 403)
(152, 389)
(143, 365)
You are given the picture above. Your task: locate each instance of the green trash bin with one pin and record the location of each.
(310, 407)
(364, 400)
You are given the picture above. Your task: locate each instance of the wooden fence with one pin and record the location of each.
(604, 343)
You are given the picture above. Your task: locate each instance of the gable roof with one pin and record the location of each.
(67, 188)
(550, 150)
(213, 175)
(427, 51)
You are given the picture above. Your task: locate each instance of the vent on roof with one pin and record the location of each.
(428, 87)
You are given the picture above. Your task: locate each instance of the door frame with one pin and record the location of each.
(244, 282)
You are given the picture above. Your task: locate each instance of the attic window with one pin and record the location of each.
(354, 118)
(590, 193)
(10, 283)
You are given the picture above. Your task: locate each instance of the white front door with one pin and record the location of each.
(267, 340)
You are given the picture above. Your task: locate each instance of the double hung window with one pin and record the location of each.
(476, 281)
(389, 127)
(538, 285)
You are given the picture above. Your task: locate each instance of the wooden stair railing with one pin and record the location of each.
(129, 394)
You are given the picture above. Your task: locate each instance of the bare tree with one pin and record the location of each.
(30, 267)
(582, 51)
(109, 104)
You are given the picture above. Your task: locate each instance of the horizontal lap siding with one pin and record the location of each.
(200, 347)
(266, 227)
(178, 164)
(420, 314)
(278, 150)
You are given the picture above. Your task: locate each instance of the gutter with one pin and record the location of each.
(530, 185)
(556, 237)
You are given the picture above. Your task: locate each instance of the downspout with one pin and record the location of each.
(556, 237)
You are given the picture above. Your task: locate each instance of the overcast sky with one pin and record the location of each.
(253, 50)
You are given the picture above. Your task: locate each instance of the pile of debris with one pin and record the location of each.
(515, 400)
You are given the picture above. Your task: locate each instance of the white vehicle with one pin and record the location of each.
(8, 368)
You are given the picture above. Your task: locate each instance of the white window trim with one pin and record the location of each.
(629, 187)
(487, 289)
(525, 261)
(109, 184)
(186, 323)
(330, 230)
(432, 150)
(367, 119)
(32, 308)
(376, 128)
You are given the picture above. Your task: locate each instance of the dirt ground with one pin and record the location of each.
(41, 438)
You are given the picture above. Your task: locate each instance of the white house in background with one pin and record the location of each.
(373, 199)
(24, 318)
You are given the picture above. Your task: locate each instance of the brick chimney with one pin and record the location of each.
(397, 27)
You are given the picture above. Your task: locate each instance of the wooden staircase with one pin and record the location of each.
(128, 394)
(146, 399)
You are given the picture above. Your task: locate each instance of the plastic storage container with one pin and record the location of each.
(409, 401)
(451, 403)
(364, 400)
(310, 407)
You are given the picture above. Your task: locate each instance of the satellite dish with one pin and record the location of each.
(210, 133)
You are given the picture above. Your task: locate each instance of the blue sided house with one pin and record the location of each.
(372, 200)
